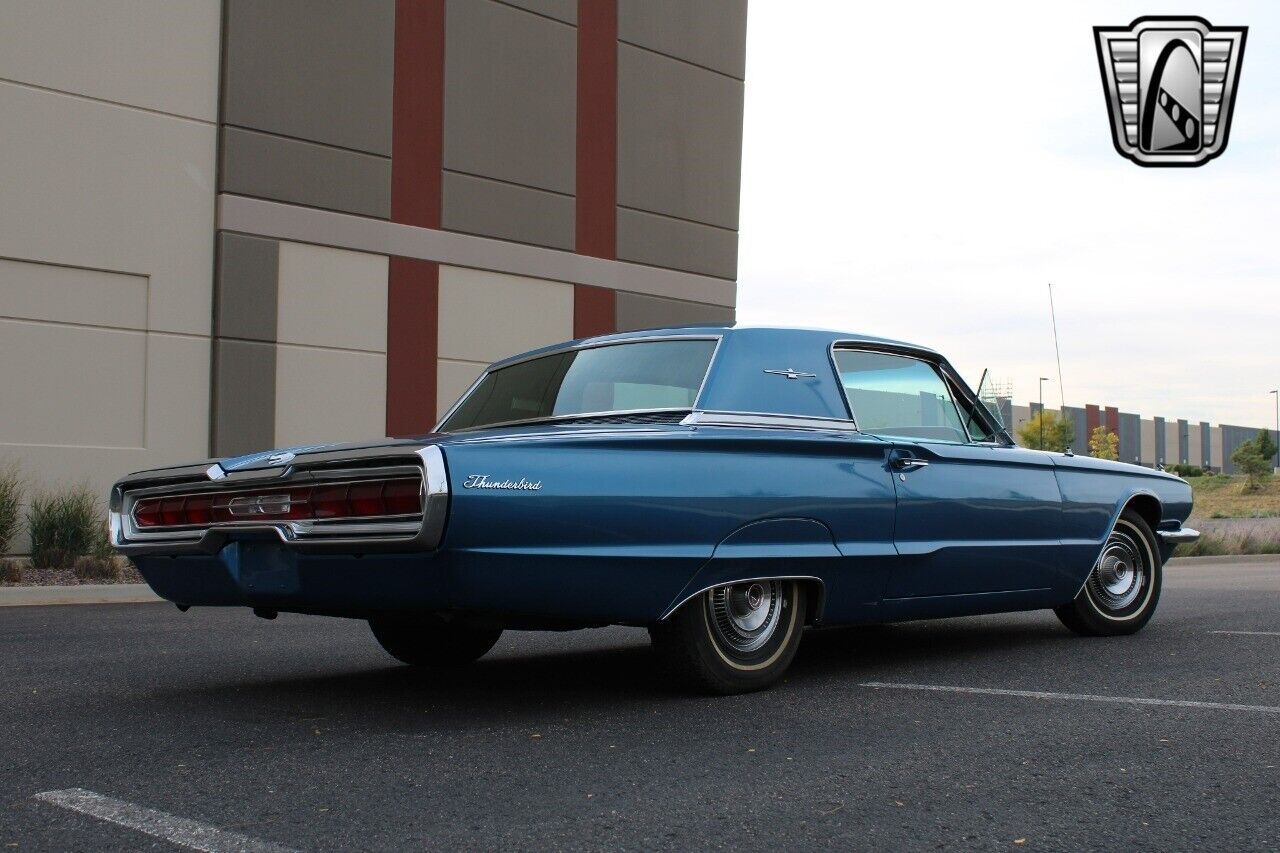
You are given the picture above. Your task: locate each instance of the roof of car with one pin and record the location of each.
(795, 335)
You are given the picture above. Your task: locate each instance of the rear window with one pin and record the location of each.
(646, 375)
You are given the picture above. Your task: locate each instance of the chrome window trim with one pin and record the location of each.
(500, 365)
(932, 359)
(767, 420)
(553, 419)
(420, 533)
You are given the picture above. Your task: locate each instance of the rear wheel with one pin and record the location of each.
(734, 638)
(432, 640)
(1121, 593)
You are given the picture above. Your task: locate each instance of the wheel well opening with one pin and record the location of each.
(815, 600)
(1147, 507)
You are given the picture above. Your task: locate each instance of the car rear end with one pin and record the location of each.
(342, 531)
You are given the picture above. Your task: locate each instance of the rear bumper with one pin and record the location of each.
(264, 574)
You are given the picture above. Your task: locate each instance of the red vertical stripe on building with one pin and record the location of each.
(1112, 419)
(1092, 419)
(413, 293)
(596, 219)
(417, 151)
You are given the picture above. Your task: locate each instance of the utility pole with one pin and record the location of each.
(1043, 379)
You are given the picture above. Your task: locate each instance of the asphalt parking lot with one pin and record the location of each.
(223, 731)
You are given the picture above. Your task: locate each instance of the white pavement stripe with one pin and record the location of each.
(1079, 697)
(177, 830)
(1250, 633)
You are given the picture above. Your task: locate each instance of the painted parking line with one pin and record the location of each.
(171, 828)
(1077, 697)
(1250, 633)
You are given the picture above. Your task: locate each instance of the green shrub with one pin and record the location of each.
(1187, 470)
(11, 570)
(66, 525)
(10, 499)
(89, 568)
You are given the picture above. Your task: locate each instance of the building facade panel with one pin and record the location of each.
(244, 396)
(679, 138)
(637, 311)
(100, 186)
(1130, 433)
(326, 395)
(245, 297)
(510, 91)
(91, 394)
(533, 313)
(332, 298)
(710, 33)
(649, 238)
(97, 50)
(55, 293)
(263, 165)
(561, 10)
(507, 211)
(319, 70)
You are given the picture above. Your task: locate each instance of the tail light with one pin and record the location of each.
(357, 500)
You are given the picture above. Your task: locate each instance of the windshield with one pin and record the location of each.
(646, 375)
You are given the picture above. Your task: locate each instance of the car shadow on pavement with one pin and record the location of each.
(544, 682)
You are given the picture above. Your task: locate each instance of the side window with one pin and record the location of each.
(896, 396)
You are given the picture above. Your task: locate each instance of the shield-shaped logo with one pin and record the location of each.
(1170, 84)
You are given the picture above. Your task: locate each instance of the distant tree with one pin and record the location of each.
(1104, 444)
(1046, 430)
(1255, 466)
(1266, 447)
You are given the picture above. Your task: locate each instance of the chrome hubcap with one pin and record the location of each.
(1121, 575)
(744, 616)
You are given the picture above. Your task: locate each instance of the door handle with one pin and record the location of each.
(909, 463)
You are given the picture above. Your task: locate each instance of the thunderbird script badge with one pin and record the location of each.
(1170, 84)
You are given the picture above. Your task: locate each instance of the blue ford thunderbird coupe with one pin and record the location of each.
(722, 486)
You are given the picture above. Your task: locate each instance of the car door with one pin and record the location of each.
(975, 519)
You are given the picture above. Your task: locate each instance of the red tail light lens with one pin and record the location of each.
(325, 502)
(402, 497)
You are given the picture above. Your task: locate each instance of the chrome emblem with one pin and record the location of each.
(482, 481)
(249, 505)
(1170, 85)
(280, 458)
(792, 374)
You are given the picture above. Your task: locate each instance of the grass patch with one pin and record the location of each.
(1223, 496)
(11, 488)
(1219, 545)
(65, 526)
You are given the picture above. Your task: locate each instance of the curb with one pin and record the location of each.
(1190, 562)
(120, 593)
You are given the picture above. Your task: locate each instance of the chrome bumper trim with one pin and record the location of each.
(1181, 536)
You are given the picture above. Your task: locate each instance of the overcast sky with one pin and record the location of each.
(923, 175)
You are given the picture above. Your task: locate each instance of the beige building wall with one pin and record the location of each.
(486, 316)
(1215, 449)
(1194, 455)
(1171, 444)
(106, 234)
(332, 345)
(1148, 441)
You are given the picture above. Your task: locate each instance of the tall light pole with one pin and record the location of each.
(1043, 379)
(1277, 393)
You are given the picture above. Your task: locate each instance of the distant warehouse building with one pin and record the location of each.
(243, 224)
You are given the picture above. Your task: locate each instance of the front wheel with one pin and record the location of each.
(1121, 593)
(733, 638)
(432, 640)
